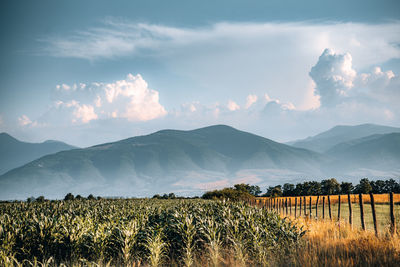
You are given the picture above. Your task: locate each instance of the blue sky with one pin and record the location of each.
(87, 72)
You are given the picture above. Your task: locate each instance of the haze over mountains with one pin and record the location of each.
(189, 162)
(342, 133)
(14, 153)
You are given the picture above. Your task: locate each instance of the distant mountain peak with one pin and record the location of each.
(324, 141)
(14, 153)
(6, 135)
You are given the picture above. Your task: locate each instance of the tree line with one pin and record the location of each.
(333, 187)
(309, 188)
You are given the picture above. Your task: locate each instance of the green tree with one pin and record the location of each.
(40, 199)
(288, 190)
(392, 186)
(69, 196)
(330, 186)
(346, 188)
(251, 189)
(274, 191)
(364, 187)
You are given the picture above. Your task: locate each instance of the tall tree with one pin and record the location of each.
(288, 189)
(346, 188)
(364, 187)
(330, 186)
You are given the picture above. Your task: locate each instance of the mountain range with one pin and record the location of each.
(14, 153)
(341, 134)
(190, 162)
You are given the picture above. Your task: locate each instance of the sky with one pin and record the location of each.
(89, 72)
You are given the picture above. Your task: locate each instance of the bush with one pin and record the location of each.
(69, 196)
(227, 193)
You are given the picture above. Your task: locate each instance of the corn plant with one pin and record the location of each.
(129, 232)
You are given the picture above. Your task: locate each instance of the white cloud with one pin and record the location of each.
(333, 76)
(383, 85)
(272, 57)
(130, 99)
(338, 84)
(119, 38)
(232, 105)
(250, 100)
(24, 120)
(85, 113)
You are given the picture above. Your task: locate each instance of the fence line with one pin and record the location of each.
(284, 206)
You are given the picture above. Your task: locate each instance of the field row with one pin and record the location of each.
(143, 232)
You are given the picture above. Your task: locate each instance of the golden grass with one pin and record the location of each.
(329, 244)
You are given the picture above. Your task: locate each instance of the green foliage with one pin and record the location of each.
(69, 196)
(330, 187)
(251, 189)
(227, 193)
(363, 187)
(149, 232)
(346, 188)
(274, 191)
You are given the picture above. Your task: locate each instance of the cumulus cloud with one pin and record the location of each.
(130, 99)
(341, 89)
(232, 105)
(382, 85)
(85, 113)
(256, 54)
(24, 120)
(250, 100)
(333, 76)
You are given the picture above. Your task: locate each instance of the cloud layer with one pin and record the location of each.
(129, 99)
(280, 80)
(235, 58)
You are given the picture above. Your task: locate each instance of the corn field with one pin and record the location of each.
(142, 233)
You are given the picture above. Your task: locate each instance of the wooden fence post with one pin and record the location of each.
(300, 206)
(274, 204)
(392, 218)
(316, 207)
(310, 207)
(350, 210)
(373, 213)
(360, 198)
(295, 207)
(290, 206)
(286, 207)
(305, 207)
(277, 205)
(338, 212)
(280, 205)
(329, 207)
(323, 207)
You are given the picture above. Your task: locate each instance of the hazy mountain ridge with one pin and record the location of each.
(380, 151)
(15, 153)
(157, 161)
(340, 134)
(193, 161)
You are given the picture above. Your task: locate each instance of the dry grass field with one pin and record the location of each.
(334, 242)
(327, 244)
(382, 208)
